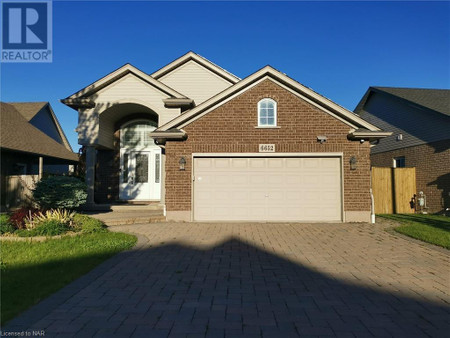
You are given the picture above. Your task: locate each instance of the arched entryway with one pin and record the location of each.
(129, 163)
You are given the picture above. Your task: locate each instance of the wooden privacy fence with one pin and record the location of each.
(18, 189)
(393, 190)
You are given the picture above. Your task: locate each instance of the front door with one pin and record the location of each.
(141, 175)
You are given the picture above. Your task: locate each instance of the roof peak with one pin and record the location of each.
(199, 59)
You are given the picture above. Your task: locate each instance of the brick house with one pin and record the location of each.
(212, 147)
(420, 122)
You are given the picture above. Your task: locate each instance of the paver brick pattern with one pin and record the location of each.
(257, 280)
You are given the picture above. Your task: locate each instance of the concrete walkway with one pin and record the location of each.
(255, 280)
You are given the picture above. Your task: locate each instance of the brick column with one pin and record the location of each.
(91, 155)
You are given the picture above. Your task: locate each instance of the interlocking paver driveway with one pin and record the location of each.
(256, 280)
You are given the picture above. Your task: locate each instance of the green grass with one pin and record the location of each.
(428, 228)
(31, 271)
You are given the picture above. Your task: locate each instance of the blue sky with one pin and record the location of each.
(338, 49)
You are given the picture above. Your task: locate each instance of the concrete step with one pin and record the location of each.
(121, 218)
(134, 220)
(136, 207)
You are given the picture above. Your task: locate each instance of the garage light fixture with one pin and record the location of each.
(182, 163)
(322, 139)
(353, 163)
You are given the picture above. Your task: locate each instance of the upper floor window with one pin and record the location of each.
(267, 113)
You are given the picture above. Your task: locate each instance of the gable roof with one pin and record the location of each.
(29, 111)
(201, 61)
(114, 76)
(437, 100)
(269, 73)
(18, 134)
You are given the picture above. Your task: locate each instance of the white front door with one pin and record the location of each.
(140, 177)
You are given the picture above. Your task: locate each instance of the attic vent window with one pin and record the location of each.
(267, 113)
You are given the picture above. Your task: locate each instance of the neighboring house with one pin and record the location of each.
(212, 147)
(30, 134)
(420, 122)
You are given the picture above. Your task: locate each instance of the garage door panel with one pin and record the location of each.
(257, 163)
(275, 179)
(239, 163)
(275, 163)
(257, 179)
(267, 189)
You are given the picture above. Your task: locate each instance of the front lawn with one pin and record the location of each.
(428, 228)
(31, 271)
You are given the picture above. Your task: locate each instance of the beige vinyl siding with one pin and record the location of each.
(417, 126)
(129, 89)
(195, 82)
(87, 128)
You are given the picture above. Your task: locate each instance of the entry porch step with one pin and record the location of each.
(137, 207)
(125, 214)
(112, 218)
(124, 207)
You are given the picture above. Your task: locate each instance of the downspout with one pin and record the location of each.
(372, 202)
(372, 208)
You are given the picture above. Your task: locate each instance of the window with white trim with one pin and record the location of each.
(399, 162)
(267, 113)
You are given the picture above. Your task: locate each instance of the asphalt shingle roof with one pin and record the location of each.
(434, 99)
(19, 135)
(28, 109)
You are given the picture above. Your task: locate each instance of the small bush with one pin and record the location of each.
(5, 225)
(60, 192)
(88, 224)
(51, 227)
(60, 215)
(18, 217)
(25, 233)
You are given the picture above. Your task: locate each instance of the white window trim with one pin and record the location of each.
(275, 113)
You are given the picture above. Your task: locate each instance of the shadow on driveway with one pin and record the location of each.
(232, 289)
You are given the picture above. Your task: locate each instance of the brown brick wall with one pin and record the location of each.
(432, 162)
(231, 128)
(107, 173)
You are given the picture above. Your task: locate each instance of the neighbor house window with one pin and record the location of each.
(267, 113)
(399, 162)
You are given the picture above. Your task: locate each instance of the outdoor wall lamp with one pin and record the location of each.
(353, 163)
(182, 163)
(322, 139)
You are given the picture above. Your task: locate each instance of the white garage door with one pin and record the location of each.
(267, 189)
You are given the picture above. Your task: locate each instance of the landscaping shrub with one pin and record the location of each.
(60, 192)
(60, 215)
(49, 227)
(19, 217)
(88, 224)
(5, 225)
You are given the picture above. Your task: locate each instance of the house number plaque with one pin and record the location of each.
(267, 148)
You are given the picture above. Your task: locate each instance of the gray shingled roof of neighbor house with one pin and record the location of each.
(434, 99)
(28, 109)
(19, 135)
